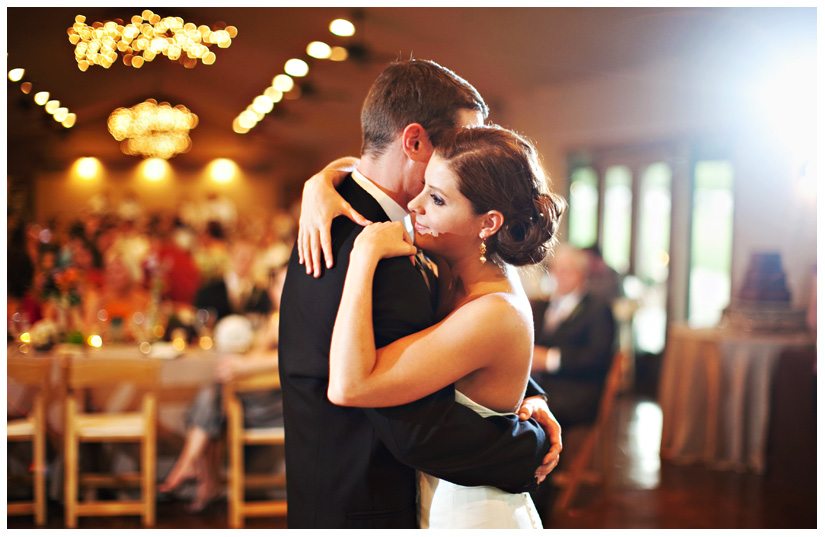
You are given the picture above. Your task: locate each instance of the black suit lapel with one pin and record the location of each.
(572, 320)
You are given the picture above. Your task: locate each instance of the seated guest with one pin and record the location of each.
(171, 264)
(236, 291)
(602, 280)
(574, 342)
(211, 252)
(122, 295)
(205, 419)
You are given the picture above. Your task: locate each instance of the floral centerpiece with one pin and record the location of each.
(62, 291)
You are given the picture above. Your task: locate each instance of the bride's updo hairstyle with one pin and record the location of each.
(499, 170)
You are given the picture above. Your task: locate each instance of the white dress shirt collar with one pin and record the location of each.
(396, 212)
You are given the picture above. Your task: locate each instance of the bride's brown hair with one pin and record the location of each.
(499, 170)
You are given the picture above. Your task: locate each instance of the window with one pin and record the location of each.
(618, 211)
(711, 242)
(653, 257)
(583, 210)
(621, 199)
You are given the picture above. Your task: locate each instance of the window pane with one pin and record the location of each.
(618, 198)
(711, 242)
(654, 224)
(653, 257)
(584, 205)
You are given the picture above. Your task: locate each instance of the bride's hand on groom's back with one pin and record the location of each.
(536, 408)
(320, 204)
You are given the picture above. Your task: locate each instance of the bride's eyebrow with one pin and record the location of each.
(431, 187)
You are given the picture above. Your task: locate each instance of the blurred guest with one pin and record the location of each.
(129, 209)
(574, 341)
(170, 265)
(133, 243)
(198, 460)
(219, 208)
(212, 252)
(22, 306)
(122, 295)
(236, 291)
(85, 257)
(602, 280)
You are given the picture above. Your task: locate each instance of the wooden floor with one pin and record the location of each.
(641, 491)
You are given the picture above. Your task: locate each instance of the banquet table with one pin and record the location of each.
(182, 374)
(715, 394)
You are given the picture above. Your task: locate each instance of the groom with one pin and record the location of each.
(353, 467)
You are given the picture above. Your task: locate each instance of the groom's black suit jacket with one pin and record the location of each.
(353, 467)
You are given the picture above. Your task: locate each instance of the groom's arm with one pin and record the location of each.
(448, 440)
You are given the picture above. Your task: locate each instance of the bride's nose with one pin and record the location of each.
(414, 206)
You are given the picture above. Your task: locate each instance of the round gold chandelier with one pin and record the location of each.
(153, 130)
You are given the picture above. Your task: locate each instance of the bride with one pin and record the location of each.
(484, 210)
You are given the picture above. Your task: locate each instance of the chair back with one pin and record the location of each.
(90, 372)
(257, 381)
(34, 372)
(612, 385)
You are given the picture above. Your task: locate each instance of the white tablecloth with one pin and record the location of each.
(714, 391)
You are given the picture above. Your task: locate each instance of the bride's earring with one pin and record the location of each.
(482, 250)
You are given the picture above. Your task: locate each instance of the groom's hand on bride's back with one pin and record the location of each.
(536, 407)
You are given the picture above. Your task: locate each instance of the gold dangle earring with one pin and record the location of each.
(482, 249)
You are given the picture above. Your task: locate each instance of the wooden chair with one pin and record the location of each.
(140, 426)
(237, 438)
(33, 373)
(581, 468)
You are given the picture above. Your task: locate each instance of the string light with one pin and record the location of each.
(296, 67)
(283, 85)
(341, 27)
(318, 49)
(52, 107)
(16, 75)
(150, 129)
(143, 39)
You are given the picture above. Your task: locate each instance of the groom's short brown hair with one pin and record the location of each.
(414, 91)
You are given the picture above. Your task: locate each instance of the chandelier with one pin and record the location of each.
(143, 39)
(151, 129)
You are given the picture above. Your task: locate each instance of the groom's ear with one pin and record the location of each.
(416, 143)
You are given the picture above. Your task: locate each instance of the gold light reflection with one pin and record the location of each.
(338, 54)
(16, 75)
(283, 86)
(342, 27)
(152, 129)
(319, 49)
(144, 38)
(282, 83)
(70, 120)
(223, 170)
(60, 114)
(296, 67)
(87, 167)
(52, 105)
(154, 169)
(263, 104)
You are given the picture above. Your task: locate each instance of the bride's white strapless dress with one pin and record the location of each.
(445, 505)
